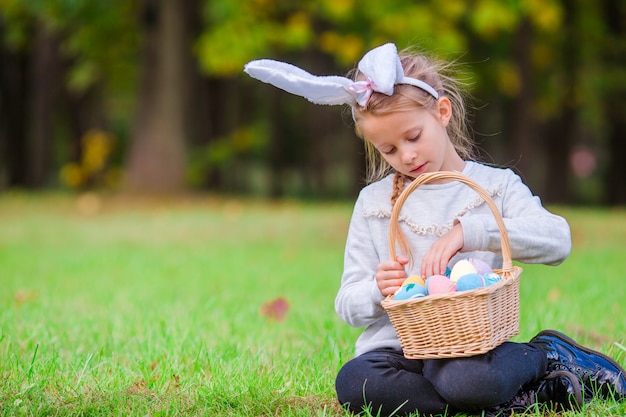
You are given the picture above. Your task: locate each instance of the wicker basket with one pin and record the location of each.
(456, 324)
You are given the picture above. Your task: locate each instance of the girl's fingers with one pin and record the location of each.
(402, 260)
(390, 275)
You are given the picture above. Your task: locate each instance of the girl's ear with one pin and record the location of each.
(444, 110)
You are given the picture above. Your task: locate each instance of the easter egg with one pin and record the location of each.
(470, 282)
(414, 279)
(439, 284)
(409, 291)
(491, 278)
(481, 266)
(462, 267)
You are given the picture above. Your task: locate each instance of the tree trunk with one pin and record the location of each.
(276, 160)
(157, 156)
(615, 48)
(13, 92)
(561, 139)
(44, 79)
(522, 119)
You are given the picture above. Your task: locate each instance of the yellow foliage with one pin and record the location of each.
(227, 47)
(298, 30)
(262, 4)
(542, 55)
(112, 177)
(508, 79)
(72, 175)
(243, 139)
(347, 48)
(329, 41)
(97, 146)
(351, 49)
(491, 17)
(339, 9)
(546, 15)
(92, 168)
(449, 38)
(452, 9)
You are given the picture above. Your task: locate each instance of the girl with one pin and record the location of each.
(412, 120)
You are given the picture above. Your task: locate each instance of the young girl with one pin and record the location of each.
(412, 120)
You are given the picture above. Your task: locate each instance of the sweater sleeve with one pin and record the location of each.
(358, 299)
(535, 234)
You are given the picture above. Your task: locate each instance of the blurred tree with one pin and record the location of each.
(614, 51)
(14, 62)
(29, 90)
(44, 85)
(551, 72)
(157, 154)
(325, 37)
(59, 64)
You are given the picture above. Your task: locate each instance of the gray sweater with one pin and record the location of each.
(536, 236)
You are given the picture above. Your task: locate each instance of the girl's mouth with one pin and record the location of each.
(419, 169)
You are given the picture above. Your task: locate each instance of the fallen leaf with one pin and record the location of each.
(276, 309)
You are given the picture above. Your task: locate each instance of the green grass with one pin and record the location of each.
(153, 307)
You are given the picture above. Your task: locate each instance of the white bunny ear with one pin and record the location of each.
(382, 65)
(331, 90)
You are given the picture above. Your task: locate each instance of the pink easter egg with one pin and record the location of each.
(439, 284)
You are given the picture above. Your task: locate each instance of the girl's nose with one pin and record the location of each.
(408, 156)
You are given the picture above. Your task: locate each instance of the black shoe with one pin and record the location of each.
(559, 391)
(598, 373)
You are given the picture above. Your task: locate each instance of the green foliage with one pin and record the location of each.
(346, 29)
(575, 54)
(14, 18)
(100, 38)
(237, 32)
(247, 143)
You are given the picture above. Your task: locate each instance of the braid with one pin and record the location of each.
(399, 180)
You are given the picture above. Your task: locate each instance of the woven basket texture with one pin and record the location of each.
(456, 324)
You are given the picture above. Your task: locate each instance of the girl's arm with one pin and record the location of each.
(358, 299)
(535, 234)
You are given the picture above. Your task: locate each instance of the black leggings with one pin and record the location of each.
(386, 381)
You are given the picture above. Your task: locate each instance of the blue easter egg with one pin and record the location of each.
(409, 291)
(491, 278)
(469, 282)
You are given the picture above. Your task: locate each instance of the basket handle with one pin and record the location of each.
(396, 234)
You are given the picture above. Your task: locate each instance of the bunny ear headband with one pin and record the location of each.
(381, 66)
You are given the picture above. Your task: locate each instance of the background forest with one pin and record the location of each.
(149, 95)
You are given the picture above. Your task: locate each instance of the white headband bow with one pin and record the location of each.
(381, 66)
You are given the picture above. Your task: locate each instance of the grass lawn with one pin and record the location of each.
(169, 307)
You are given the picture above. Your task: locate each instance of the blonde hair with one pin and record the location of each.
(437, 74)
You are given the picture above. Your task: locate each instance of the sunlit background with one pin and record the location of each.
(149, 96)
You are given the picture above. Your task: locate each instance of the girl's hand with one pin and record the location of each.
(438, 256)
(390, 275)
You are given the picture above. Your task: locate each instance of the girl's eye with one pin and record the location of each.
(414, 139)
(389, 151)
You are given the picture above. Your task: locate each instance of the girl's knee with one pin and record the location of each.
(349, 387)
(466, 385)
(361, 383)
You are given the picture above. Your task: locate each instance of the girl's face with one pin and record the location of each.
(413, 141)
